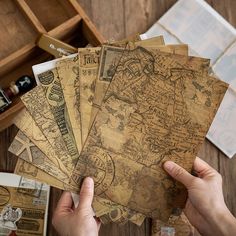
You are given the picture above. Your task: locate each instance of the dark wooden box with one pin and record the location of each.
(21, 23)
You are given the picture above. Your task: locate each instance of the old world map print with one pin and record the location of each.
(158, 107)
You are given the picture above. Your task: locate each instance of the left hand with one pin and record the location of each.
(79, 221)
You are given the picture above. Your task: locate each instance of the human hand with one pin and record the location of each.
(205, 207)
(80, 221)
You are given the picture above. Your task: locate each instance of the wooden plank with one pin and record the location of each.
(225, 8)
(16, 58)
(89, 28)
(51, 13)
(209, 153)
(62, 31)
(16, 31)
(144, 14)
(7, 116)
(31, 16)
(7, 160)
(227, 169)
(109, 18)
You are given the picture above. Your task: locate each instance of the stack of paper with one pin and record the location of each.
(117, 113)
(195, 23)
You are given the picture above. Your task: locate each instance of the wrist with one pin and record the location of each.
(224, 223)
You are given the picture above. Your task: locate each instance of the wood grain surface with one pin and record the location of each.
(117, 19)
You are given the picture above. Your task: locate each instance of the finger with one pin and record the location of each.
(202, 167)
(86, 193)
(178, 173)
(65, 203)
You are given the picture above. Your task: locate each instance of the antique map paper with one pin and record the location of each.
(26, 169)
(68, 71)
(28, 151)
(122, 215)
(129, 106)
(55, 98)
(151, 92)
(69, 76)
(151, 42)
(24, 121)
(37, 105)
(109, 211)
(110, 57)
(200, 32)
(88, 69)
(180, 224)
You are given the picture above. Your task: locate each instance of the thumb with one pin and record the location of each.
(86, 193)
(178, 173)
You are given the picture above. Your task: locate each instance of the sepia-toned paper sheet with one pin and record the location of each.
(109, 59)
(70, 84)
(151, 42)
(88, 69)
(113, 212)
(64, 68)
(180, 223)
(37, 105)
(32, 149)
(68, 71)
(123, 43)
(26, 150)
(54, 95)
(89, 61)
(24, 121)
(180, 49)
(26, 169)
(121, 215)
(109, 212)
(208, 34)
(151, 92)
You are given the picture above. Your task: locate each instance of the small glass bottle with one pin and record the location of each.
(22, 85)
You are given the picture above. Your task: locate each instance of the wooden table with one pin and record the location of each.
(117, 19)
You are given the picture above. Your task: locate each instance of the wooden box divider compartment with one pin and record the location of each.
(21, 23)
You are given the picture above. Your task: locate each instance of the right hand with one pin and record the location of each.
(205, 207)
(79, 221)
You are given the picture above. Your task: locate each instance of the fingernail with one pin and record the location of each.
(168, 165)
(88, 182)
